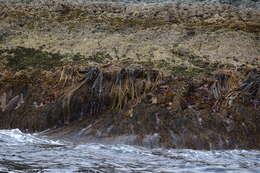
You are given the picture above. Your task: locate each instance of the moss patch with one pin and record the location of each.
(21, 58)
(100, 57)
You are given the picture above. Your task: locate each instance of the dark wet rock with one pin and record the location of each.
(151, 140)
(113, 105)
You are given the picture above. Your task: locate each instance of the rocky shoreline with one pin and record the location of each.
(178, 75)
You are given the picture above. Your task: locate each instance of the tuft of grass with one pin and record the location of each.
(100, 57)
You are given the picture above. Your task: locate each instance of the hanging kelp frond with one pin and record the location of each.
(251, 85)
(12, 104)
(248, 90)
(226, 88)
(96, 92)
(225, 81)
(131, 84)
(110, 89)
(89, 77)
(69, 75)
(3, 101)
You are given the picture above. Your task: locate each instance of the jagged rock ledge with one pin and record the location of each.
(170, 75)
(135, 105)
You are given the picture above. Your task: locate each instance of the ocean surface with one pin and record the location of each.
(20, 152)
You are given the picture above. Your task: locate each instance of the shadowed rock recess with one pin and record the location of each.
(174, 74)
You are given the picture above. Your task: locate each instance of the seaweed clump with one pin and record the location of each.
(228, 87)
(102, 90)
(249, 89)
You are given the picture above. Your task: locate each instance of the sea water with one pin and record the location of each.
(20, 152)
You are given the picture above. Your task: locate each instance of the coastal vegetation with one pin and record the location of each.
(155, 74)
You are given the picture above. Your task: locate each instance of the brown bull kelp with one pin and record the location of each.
(228, 87)
(225, 81)
(248, 92)
(179, 73)
(118, 99)
(110, 90)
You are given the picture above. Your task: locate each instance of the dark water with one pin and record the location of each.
(21, 152)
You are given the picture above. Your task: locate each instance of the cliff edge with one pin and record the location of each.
(181, 75)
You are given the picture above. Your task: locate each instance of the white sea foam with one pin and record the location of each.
(15, 137)
(21, 152)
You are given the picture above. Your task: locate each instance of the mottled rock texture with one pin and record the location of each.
(182, 75)
(140, 32)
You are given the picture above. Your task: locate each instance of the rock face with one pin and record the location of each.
(182, 75)
(236, 3)
(139, 106)
(136, 32)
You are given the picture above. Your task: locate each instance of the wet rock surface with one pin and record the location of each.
(178, 75)
(134, 105)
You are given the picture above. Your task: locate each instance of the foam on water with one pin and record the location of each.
(15, 137)
(20, 152)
